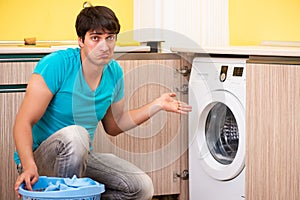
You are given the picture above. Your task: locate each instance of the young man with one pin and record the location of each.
(69, 92)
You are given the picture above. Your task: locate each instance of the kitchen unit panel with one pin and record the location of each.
(273, 124)
(15, 72)
(13, 79)
(9, 103)
(158, 145)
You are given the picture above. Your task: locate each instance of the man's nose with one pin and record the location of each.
(102, 45)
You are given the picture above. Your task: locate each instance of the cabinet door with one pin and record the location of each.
(273, 137)
(11, 73)
(156, 145)
(9, 103)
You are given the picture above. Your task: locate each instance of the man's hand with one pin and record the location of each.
(29, 176)
(170, 104)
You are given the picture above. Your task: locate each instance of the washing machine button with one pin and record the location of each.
(222, 77)
(223, 73)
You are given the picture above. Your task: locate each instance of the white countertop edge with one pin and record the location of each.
(243, 50)
(26, 50)
(126, 49)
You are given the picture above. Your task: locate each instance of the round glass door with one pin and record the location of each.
(222, 134)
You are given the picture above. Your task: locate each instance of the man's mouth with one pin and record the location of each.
(103, 56)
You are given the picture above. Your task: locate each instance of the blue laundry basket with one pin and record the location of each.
(91, 191)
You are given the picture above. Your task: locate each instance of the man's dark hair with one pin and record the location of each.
(96, 18)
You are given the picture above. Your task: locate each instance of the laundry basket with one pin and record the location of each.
(63, 189)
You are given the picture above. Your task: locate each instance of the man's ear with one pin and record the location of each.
(80, 42)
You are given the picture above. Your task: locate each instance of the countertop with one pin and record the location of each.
(35, 49)
(43, 47)
(288, 51)
(17, 47)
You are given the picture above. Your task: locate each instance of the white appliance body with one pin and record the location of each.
(217, 92)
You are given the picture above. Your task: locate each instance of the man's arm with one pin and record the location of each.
(35, 102)
(116, 120)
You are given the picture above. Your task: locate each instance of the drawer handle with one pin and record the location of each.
(13, 88)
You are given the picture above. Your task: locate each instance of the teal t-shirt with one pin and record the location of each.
(73, 101)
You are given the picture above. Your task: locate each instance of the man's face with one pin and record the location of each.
(98, 47)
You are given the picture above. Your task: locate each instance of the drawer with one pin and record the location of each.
(16, 72)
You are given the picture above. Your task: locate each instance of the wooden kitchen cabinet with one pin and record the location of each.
(273, 129)
(12, 74)
(159, 146)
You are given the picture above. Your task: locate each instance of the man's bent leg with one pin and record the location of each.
(122, 179)
(64, 153)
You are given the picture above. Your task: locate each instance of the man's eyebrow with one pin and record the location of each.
(101, 33)
(96, 33)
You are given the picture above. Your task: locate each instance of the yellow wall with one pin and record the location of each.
(250, 21)
(52, 19)
(253, 21)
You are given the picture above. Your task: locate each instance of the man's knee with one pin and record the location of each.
(77, 136)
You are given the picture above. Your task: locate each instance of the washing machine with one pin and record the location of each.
(217, 93)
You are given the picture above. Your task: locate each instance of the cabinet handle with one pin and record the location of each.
(19, 59)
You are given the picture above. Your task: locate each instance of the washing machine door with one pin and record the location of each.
(221, 135)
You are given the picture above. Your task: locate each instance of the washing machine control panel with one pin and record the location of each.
(213, 73)
(230, 71)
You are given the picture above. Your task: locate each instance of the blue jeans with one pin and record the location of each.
(66, 153)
